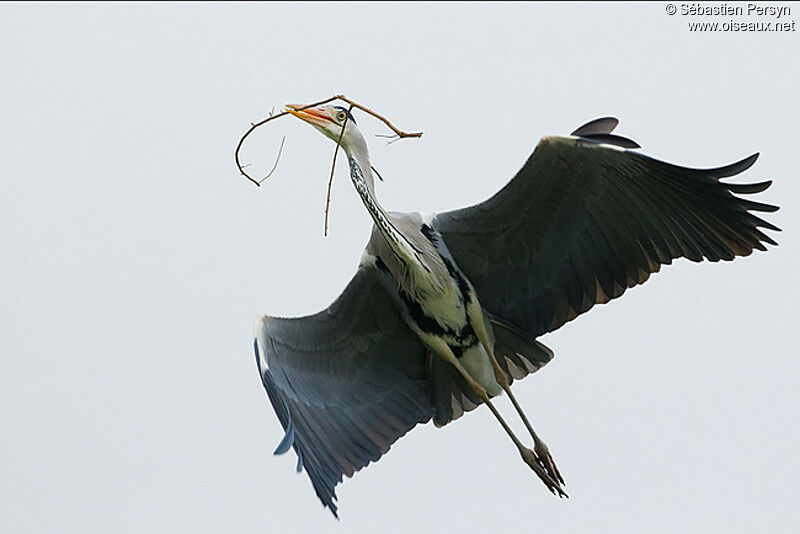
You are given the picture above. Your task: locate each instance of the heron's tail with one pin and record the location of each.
(516, 353)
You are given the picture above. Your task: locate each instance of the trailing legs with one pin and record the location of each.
(530, 457)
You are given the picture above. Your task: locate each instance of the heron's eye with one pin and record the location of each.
(340, 116)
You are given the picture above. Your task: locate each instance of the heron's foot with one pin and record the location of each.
(543, 454)
(536, 464)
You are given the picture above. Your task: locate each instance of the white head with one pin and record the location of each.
(329, 120)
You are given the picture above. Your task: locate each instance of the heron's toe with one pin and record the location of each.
(533, 461)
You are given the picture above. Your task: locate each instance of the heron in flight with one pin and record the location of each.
(444, 311)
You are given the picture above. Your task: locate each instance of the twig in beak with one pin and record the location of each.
(253, 126)
(399, 133)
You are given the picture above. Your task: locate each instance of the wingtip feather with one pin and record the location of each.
(602, 125)
(287, 441)
(734, 168)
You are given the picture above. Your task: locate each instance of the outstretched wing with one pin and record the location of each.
(582, 221)
(345, 383)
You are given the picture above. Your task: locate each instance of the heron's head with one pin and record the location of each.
(329, 121)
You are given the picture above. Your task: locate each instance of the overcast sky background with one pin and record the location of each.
(135, 260)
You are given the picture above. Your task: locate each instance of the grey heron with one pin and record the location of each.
(444, 311)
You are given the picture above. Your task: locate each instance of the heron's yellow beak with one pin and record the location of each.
(316, 116)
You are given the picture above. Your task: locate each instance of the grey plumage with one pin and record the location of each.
(409, 224)
(589, 223)
(350, 380)
(581, 222)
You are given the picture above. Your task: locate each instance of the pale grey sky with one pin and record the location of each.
(135, 260)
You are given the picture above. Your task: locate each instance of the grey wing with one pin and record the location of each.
(345, 383)
(582, 221)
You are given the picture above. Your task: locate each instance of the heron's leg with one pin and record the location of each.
(539, 447)
(441, 349)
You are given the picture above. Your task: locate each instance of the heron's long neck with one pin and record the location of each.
(361, 175)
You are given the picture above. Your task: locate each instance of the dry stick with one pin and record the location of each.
(401, 134)
(333, 167)
(275, 165)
